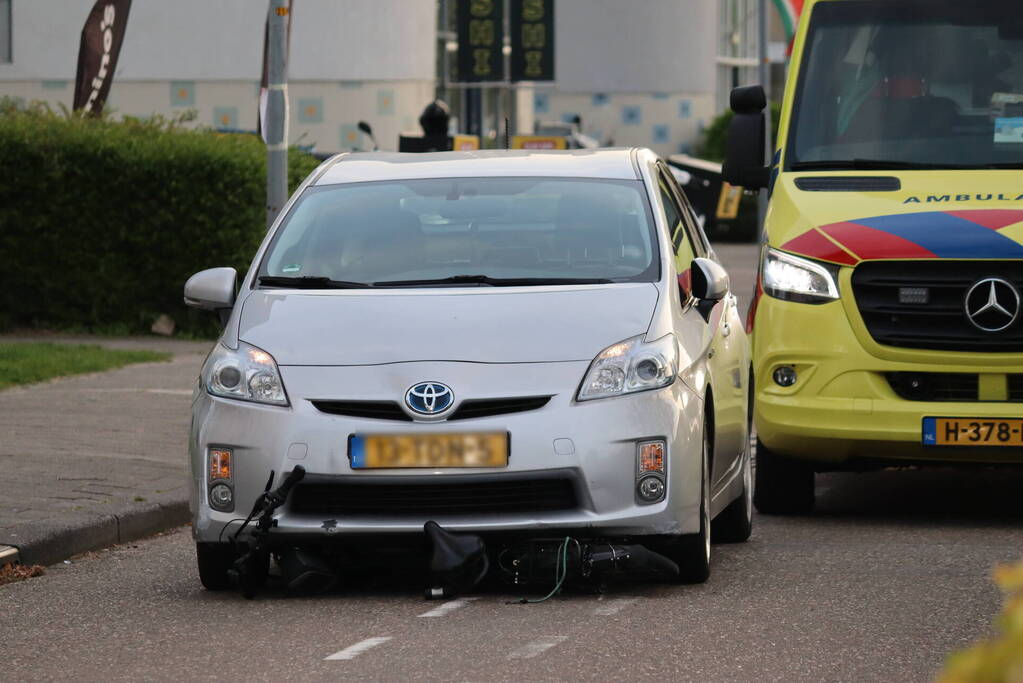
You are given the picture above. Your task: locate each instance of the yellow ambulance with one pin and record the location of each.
(887, 324)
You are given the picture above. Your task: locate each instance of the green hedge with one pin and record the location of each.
(102, 221)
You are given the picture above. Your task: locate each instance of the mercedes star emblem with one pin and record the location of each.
(992, 304)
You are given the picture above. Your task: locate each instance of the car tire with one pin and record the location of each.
(783, 486)
(734, 524)
(214, 561)
(692, 552)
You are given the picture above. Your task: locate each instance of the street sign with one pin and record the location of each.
(532, 40)
(480, 40)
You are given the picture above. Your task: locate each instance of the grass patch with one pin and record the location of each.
(28, 362)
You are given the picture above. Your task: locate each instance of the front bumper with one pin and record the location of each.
(842, 408)
(595, 450)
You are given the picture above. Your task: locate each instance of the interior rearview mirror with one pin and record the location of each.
(212, 289)
(744, 164)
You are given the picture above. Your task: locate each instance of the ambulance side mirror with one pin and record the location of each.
(745, 165)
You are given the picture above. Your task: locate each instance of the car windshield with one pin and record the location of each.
(907, 83)
(482, 231)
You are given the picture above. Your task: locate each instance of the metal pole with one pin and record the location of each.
(277, 110)
(765, 81)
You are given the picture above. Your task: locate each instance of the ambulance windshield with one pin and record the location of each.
(910, 84)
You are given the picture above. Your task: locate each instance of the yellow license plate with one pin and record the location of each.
(972, 431)
(374, 451)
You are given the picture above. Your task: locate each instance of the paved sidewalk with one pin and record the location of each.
(93, 460)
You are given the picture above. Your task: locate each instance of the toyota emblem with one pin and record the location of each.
(992, 304)
(429, 398)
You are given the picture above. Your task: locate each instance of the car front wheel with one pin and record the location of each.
(692, 552)
(734, 524)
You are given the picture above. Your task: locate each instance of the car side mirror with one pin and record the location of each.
(212, 289)
(744, 164)
(710, 280)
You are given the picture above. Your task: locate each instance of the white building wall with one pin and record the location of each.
(350, 60)
(638, 72)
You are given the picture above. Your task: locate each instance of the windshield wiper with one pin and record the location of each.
(494, 281)
(871, 164)
(310, 282)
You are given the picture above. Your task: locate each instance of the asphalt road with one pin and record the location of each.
(889, 575)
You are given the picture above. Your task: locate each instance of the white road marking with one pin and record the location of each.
(612, 607)
(353, 651)
(537, 647)
(447, 607)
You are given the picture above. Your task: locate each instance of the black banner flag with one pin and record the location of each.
(102, 36)
(532, 40)
(480, 40)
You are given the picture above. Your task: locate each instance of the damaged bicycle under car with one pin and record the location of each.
(513, 365)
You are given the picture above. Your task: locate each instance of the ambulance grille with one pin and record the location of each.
(1016, 387)
(930, 312)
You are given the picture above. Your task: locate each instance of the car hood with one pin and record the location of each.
(483, 325)
(932, 214)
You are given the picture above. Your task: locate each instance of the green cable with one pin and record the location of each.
(560, 574)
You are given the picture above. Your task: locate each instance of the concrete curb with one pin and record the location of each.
(49, 542)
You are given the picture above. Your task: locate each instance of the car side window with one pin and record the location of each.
(683, 246)
(699, 237)
(696, 234)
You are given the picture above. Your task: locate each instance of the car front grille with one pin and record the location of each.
(471, 408)
(940, 323)
(377, 410)
(373, 497)
(948, 386)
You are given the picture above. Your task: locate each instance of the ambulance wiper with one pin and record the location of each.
(871, 164)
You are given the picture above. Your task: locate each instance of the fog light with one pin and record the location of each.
(785, 376)
(220, 464)
(650, 489)
(222, 497)
(651, 457)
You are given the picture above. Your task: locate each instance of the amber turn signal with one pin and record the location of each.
(220, 464)
(651, 457)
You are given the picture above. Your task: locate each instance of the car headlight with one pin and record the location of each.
(631, 366)
(793, 278)
(248, 374)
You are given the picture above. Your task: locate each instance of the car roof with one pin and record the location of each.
(615, 164)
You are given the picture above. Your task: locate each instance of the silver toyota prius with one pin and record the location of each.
(516, 361)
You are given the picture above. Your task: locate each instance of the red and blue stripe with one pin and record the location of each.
(972, 234)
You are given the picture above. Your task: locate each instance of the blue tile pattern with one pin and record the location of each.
(632, 115)
(182, 93)
(310, 110)
(225, 118)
